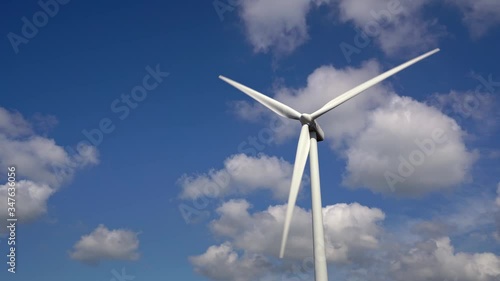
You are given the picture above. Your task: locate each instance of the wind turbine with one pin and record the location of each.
(310, 134)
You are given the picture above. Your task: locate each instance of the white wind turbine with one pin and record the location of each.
(310, 134)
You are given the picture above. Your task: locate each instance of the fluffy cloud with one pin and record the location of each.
(410, 149)
(42, 166)
(275, 25)
(33, 197)
(396, 26)
(478, 15)
(223, 263)
(357, 243)
(436, 260)
(239, 177)
(351, 230)
(104, 244)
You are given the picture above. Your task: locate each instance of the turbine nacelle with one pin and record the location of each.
(307, 119)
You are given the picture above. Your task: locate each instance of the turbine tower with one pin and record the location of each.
(310, 134)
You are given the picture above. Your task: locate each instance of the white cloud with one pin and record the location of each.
(278, 25)
(281, 26)
(357, 244)
(241, 174)
(479, 15)
(12, 124)
(42, 166)
(104, 244)
(223, 263)
(436, 260)
(410, 149)
(396, 26)
(351, 230)
(31, 200)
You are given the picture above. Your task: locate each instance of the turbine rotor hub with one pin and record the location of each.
(306, 119)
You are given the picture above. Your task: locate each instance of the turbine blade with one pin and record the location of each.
(298, 169)
(272, 104)
(360, 88)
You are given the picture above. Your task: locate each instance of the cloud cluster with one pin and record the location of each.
(104, 244)
(223, 263)
(437, 260)
(351, 230)
(397, 26)
(42, 166)
(357, 243)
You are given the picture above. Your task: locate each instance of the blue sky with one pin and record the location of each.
(90, 207)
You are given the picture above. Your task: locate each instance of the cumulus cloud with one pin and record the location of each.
(42, 166)
(33, 197)
(437, 260)
(357, 243)
(239, 176)
(278, 26)
(104, 244)
(397, 26)
(410, 149)
(223, 263)
(479, 15)
(351, 230)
